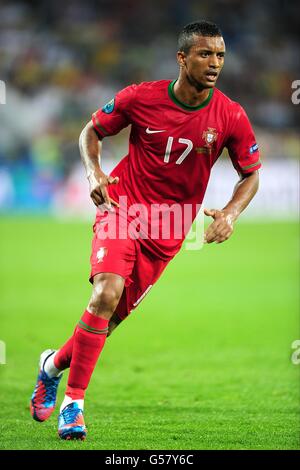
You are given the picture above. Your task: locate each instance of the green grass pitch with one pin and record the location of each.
(203, 363)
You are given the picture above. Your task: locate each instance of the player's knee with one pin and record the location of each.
(104, 301)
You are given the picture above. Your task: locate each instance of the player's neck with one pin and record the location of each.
(188, 94)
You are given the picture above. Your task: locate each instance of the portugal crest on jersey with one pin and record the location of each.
(210, 136)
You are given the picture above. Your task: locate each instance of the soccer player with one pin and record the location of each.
(179, 129)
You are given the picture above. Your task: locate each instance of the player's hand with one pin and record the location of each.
(98, 189)
(220, 229)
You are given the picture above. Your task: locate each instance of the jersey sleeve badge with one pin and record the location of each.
(253, 149)
(109, 107)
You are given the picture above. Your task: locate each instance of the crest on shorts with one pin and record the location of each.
(101, 253)
(210, 136)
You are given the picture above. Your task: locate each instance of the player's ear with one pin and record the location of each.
(181, 58)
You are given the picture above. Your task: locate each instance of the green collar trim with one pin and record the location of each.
(187, 107)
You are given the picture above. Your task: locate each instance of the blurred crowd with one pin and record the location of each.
(61, 61)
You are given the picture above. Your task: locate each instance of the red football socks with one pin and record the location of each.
(62, 359)
(88, 341)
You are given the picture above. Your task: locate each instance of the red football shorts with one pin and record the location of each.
(127, 258)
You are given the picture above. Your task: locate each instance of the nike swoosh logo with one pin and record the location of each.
(149, 131)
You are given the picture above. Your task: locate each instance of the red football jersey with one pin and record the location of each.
(172, 149)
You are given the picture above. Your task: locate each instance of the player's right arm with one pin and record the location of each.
(90, 146)
(108, 120)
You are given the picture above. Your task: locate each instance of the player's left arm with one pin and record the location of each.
(244, 154)
(222, 226)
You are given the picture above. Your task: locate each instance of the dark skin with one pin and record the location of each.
(199, 70)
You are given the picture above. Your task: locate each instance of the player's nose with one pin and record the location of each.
(213, 61)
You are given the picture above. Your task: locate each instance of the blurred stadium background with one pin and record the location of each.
(61, 64)
(226, 380)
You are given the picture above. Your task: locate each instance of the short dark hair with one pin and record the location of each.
(199, 28)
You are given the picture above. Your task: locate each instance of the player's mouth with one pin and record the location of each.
(211, 76)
